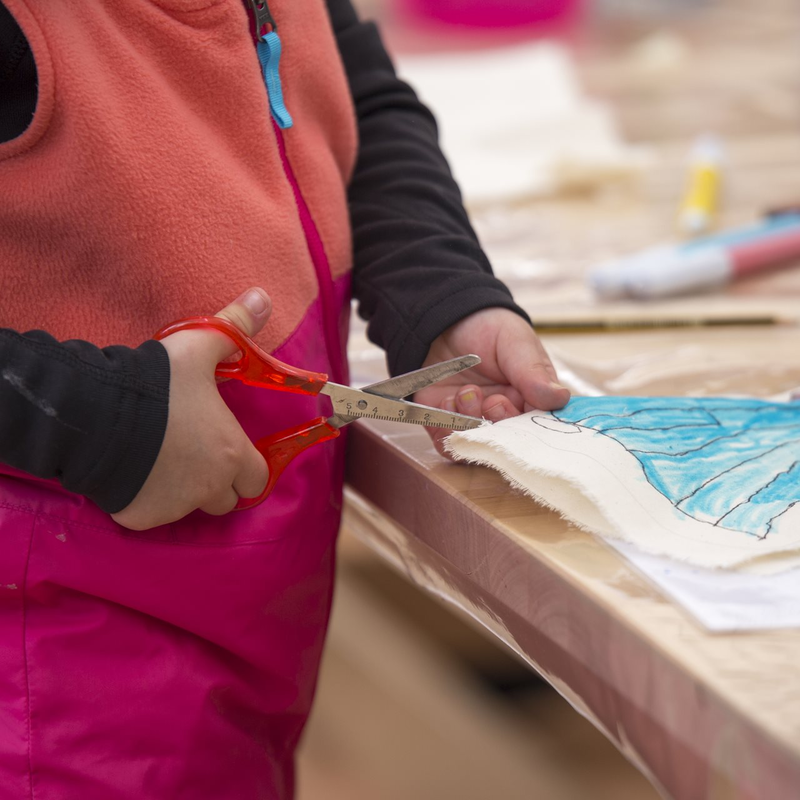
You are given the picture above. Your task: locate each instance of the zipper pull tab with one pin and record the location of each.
(268, 48)
(269, 54)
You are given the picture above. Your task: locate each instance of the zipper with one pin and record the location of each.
(262, 17)
(268, 48)
(266, 27)
(322, 268)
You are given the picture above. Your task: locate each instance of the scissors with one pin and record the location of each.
(383, 400)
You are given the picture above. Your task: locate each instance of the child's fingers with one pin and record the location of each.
(438, 435)
(498, 407)
(249, 313)
(537, 385)
(468, 400)
(527, 367)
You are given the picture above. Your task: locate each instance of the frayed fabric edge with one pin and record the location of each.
(508, 464)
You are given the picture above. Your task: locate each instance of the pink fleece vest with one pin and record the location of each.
(178, 662)
(149, 185)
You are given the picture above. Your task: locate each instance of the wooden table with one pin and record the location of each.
(704, 716)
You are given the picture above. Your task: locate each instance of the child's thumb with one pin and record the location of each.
(249, 313)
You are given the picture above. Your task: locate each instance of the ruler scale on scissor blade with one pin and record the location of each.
(355, 403)
(405, 385)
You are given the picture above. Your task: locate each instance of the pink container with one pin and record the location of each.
(493, 13)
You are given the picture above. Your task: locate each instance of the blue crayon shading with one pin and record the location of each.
(732, 463)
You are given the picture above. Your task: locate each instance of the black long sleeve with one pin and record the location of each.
(418, 265)
(92, 418)
(17, 78)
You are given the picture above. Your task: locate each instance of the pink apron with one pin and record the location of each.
(179, 662)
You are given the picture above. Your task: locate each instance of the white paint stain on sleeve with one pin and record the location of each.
(17, 382)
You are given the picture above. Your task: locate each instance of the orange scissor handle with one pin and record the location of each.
(280, 448)
(254, 366)
(257, 368)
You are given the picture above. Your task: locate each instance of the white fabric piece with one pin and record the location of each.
(515, 123)
(710, 481)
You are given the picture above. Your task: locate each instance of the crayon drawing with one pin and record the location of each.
(733, 463)
(714, 481)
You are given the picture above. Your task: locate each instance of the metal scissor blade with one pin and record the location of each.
(410, 382)
(354, 403)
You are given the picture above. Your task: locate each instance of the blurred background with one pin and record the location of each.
(571, 126)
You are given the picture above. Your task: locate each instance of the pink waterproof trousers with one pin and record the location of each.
(179, 662)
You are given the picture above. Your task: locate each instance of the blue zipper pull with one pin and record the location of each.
(269, 54)
(268, 48)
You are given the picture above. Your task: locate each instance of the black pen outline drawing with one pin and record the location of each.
(710, 416)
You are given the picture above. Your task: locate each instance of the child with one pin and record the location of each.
(153, 645)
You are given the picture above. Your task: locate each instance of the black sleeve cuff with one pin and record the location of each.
(468, 294)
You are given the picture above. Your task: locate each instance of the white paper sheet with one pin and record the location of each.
(723, 600)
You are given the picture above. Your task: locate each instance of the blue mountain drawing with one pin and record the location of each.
(733, 463)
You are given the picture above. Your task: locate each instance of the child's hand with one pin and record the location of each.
(206, 461)
(514, 375)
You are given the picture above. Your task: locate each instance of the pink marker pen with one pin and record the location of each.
(702, 264)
